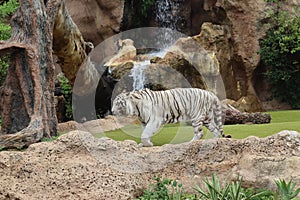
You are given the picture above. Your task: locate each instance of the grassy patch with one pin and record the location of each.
(46, 139)
(178, 133)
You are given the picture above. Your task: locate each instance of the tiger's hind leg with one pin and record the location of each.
(198, 133)
(212, 127)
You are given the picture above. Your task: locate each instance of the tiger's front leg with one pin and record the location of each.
(148, 132)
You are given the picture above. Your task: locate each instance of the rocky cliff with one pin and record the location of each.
(97, 19)
(233, 32)
(79, 166)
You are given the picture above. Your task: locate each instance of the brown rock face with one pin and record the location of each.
(235, 40)
(79, 166)
(246, 29)
(237, 43)
(236, 76)
(97, 19)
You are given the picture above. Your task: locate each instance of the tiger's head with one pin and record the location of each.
(122, 105)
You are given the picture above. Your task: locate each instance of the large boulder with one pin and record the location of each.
(79, 166)
(185, 64)
(237, 77)
(97, 19)
(198, 64)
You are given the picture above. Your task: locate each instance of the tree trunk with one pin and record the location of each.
(27, 95)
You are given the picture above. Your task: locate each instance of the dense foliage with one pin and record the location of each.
(280, 52)
(164, 189)
(168, 189)
(66, 91)
(145, 6)
(6, 10)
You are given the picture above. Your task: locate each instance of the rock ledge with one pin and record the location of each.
(79, 166)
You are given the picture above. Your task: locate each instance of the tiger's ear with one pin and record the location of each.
(134, 97)
(131, 98)
(125, 94)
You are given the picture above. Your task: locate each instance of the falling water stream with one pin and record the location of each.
(138, 74)
(138, 71)
(166, 17)
(167, 14)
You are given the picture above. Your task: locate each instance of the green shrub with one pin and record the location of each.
(280, 52)
(213, 189)
(4, 63)
(287, 191)
(168, 189)
(6, 10)
(161, 190)
(46, 139)
(66, 90)
(145, 6)
(230, 191)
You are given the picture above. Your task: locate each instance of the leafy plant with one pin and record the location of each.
(168, 189)
(145, 5)
(4, 63)
(280, 52)
(213, 190)
(160, 190)
(237, 192)
(6, 9)
(66, 90)
(46, 139)
(230, 191)
(21, 148)
(287, 191)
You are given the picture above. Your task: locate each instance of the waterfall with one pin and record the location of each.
(138, 74)
(167, 16)
(138, 71)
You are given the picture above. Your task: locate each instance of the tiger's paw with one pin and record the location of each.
(145, 143)
(140, 145)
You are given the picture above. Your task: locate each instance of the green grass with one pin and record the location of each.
(178, 133)
(281, 120)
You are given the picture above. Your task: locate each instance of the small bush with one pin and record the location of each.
(280, 52)
(66, 90)
(230, 191)
(165, 189)
(287, 191)
(146, 4)
(6, 10)
(46, 139)
(168, 189)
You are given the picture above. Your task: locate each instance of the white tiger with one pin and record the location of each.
(155, 108)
